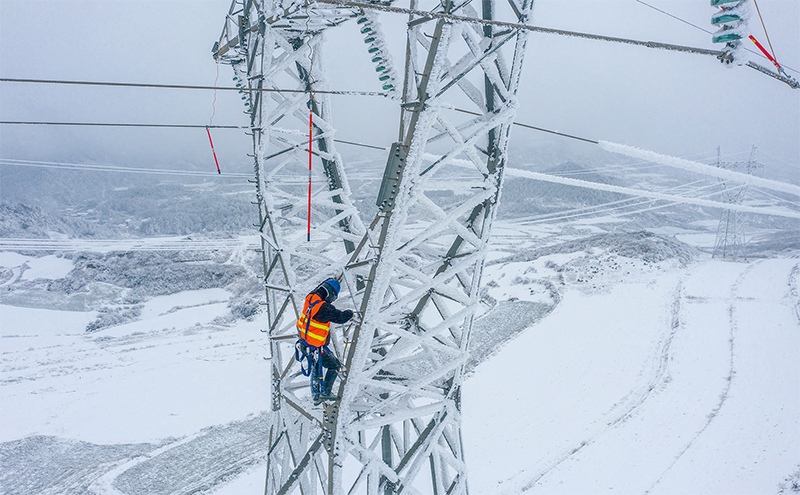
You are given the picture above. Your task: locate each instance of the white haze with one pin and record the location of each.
(673, 103)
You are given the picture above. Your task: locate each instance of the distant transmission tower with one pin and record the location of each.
(413, 272)
(730, 242)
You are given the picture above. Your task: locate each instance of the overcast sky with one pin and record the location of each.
(673, 103)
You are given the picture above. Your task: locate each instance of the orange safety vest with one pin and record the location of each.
(312, 331)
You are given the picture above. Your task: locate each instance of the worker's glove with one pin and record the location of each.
(348, 313)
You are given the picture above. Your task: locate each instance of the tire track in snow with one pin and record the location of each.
(728, 380)
(639, 398)
(104, 484)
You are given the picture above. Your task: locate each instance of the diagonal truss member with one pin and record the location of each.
(413, 274)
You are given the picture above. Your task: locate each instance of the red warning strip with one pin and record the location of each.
(310, 130)
(765, 52)
(212, 149)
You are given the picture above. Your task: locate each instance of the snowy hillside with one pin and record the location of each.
(650, 368)
(675, 381)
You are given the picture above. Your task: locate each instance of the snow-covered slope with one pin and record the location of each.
(682, 381)
(595, 369)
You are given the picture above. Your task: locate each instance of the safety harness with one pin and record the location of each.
(310, 360)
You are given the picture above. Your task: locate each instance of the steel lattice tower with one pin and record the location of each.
(412, 274)
(730, 241)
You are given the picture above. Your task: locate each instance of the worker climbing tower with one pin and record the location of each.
(413, 272)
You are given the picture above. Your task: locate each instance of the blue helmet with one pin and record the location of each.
(331, 287)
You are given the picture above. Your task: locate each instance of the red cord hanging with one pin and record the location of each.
(310, 127)
(212, 150)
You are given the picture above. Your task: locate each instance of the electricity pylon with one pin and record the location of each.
(413, 274)
(730, 242)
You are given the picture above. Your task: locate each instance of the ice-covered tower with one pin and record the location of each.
(413, 272)
(730, 242)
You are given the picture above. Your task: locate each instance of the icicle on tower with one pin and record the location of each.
(413, 271)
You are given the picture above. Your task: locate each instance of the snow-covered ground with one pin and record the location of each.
(615, 373)
(684, 381)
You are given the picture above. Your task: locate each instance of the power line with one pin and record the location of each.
(650, 194)
(676, 17)
(186, 86)
(163, 126)
(534, 128)
(359, 144)
(515, 25)
(614, 207)
(112, 168)
(105, 124)
(131, 170)
(146, 244)
(197, 126)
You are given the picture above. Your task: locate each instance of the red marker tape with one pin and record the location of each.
(212, 150)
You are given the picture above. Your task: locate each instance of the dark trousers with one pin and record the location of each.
(332, 365)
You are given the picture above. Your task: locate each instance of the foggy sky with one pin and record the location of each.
(672, 103)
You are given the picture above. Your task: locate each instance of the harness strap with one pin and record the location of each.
(303, 351)
(308, 317)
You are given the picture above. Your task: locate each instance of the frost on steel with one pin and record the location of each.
(412, 273)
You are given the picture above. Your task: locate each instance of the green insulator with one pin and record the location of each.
(366, 29)
(715, 3)
(380, 68)
(388, 87)
(373, 49)
(369, 39)
(362, 20)
(385, 77)
(722, 38)
(725, 18)
(375, 60)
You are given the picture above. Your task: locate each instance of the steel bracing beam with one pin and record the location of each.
(413, 274)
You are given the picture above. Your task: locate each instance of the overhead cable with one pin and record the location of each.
(196, 126)
(633, 207)
(141, 244)
(534, 128)
(106, 124)
(515, 25)
(649, 194)
(675, 17)
(113, 168)
(700, 168)
(176, 126)
(186, 86)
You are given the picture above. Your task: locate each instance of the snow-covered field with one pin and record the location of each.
(681, 381)
(595, 370)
